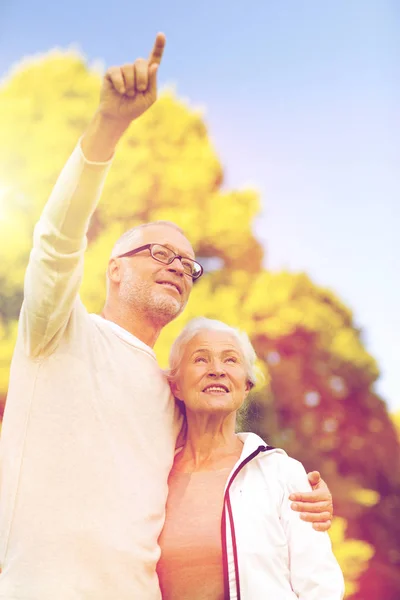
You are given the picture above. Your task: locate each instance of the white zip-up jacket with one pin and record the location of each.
(268, 551)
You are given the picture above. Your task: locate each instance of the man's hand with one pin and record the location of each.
(316, 506)
(127, 92)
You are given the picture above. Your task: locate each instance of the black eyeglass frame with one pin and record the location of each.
(171, 260)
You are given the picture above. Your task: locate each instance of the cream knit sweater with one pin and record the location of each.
(89, 429)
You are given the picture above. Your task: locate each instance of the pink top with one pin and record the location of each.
(190, 567)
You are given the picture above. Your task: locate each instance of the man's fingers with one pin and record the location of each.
(158, 49)
(322, 526)
(114, 75)
(314, 477)
(141, 74)
(312, 507)
(153, 77)
(128, 73)
(314, 496)
(321, 517)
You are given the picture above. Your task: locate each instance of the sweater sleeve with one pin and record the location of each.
(55, 267)
(314, 570)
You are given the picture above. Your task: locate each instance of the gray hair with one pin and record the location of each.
(121, 245)
(203, 324)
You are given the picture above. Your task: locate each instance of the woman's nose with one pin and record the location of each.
(216, 370)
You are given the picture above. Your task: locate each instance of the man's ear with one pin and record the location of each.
(114, 271)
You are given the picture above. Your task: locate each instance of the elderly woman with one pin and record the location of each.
(260, 548)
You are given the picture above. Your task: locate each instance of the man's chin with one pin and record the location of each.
(167, 308)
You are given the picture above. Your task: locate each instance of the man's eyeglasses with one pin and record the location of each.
(165, 255)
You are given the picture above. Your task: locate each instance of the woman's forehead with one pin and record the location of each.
(213, 341)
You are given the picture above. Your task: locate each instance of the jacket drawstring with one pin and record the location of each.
(227, 506)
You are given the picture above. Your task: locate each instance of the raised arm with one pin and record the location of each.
(314, 571)
(55, 266)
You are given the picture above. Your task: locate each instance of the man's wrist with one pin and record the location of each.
(102, 136)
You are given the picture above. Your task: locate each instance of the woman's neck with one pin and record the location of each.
(210, 444)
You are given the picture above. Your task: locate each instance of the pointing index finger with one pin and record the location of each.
(158, 50)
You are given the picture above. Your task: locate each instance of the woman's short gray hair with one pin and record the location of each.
(198, 324)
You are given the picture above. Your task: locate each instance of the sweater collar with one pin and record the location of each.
(125, 335)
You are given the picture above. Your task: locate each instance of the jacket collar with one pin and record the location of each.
(251, 442)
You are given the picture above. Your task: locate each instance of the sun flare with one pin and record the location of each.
(5, 193)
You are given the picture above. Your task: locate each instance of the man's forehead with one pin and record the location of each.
(167, 236)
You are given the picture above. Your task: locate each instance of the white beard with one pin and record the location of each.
(159, 305)
(164, 305)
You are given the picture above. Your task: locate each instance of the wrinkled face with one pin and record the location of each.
(157, 290)
(212, 376)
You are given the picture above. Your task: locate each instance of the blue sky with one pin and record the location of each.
(302, 101)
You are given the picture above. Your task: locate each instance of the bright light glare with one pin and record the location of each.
(5, 193)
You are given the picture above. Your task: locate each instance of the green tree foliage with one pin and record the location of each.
(317, 400)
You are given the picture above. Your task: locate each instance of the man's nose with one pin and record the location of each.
(176, 266)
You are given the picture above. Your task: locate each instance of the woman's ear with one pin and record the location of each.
(175, 389)
(248, 388)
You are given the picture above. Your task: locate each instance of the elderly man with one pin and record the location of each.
(90, 425)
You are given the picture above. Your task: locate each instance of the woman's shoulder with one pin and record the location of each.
(269, 457)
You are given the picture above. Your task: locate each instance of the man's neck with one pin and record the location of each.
(145, 330)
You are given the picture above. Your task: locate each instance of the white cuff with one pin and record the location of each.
(92, 162)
